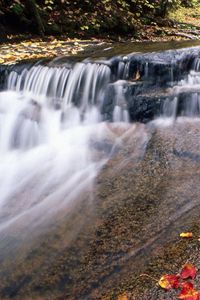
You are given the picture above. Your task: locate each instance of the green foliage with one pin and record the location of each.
(94, 17)
(189, 3)
(17, 7)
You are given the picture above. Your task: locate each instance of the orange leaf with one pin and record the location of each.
(188, 270)
(137, 75)
(188, 293)
(186, 234)
(168, 282)
(122, 297)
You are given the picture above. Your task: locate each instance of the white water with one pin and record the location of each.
(120, 113)
(46, 160)
(48, 118)
(189, 85)
(47, 168)
(82, 83)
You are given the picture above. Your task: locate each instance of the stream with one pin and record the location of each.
(99, 162)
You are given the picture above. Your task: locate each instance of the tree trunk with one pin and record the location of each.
(32, 8)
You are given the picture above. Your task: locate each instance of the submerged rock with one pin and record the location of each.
(145, 195)
(120, 81)
(26, 129)
(86, 237)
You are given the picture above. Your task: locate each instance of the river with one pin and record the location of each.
(99, 172)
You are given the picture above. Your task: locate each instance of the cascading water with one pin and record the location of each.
(186, 102)
(50, 114)
(43, 165)
(64, 124)
(48, 117)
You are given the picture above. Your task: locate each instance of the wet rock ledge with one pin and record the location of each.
(142, 83)
(146, 194)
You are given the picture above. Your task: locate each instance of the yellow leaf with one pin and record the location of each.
(1, 61)
(9, 57)
(34, 45)
(186, 234)
(26, 44)
(73, 51)
(137, 75)
(51, 47)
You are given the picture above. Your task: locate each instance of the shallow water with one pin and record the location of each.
(110, 50)
(83, 200)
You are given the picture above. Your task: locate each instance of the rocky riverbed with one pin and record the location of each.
(126, 225)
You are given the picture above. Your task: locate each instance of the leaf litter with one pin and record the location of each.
(11, 53)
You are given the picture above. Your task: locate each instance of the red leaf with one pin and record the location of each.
(187, 286)
(188, 293)
(188, 270)
(168, 282)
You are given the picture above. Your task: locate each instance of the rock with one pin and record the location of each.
(26, 128)
(139, 83)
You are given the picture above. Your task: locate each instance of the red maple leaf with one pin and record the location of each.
(168, 282)
(188, 271)
(188, 292)
(186, 286)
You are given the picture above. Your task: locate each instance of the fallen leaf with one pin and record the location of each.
(188, 271)
(34, 45)
(9, 56)
(122, 297)
(187, 285)
(186, 234)
(51, 47)
(137, 75)
(168, 282)
(189, 294)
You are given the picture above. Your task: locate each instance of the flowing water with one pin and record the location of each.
(62, 123)
(49, 117)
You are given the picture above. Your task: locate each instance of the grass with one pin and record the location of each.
(191, 16)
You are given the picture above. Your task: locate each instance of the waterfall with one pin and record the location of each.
(49, 117)
(44, 166)
(83, 85)
(52, 115)
(99, 165)
(186, 102)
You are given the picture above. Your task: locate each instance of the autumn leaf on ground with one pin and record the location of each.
(186, 234)
(122, 297)
(168, 282)
(137, 75)
(187, 285)
(188, 271)
(188, 292)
